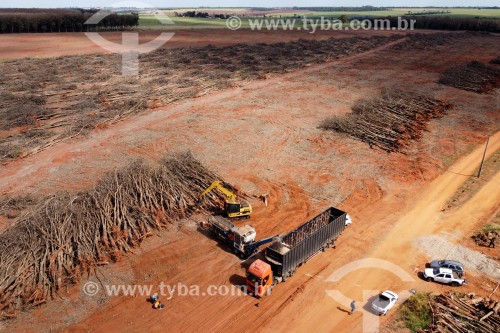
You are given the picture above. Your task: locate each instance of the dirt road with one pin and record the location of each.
(423, 218)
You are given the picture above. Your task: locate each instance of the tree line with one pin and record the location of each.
(343, 9)
(196, 14)
(61, 20)
(449, 23)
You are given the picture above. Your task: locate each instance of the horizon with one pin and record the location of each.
(266, 7)
(243, 4)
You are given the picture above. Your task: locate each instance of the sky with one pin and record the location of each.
(246, 3)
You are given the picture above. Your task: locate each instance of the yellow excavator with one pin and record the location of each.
(233, 208)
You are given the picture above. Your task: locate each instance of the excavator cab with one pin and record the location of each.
(233, 208)
(238, 209)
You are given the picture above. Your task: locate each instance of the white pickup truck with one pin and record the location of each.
(443, 275)
(384, 302)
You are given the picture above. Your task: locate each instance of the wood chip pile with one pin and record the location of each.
(460, 313)
(51, 245)
(298, 235)
(390, 121)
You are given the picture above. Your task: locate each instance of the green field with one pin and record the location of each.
(460, 12)
(148, 21)
(151, 21)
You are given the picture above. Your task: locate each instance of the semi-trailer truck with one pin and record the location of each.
(284, 256)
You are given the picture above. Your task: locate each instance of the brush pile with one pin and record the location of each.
(474, 76)
(65, 235)
(460, 313)
(390, 121)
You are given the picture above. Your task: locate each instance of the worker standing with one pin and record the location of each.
(263, 198)
(492, 242)
(353, 307)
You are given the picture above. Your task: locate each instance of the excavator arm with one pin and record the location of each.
(217, 184)
(252, 248)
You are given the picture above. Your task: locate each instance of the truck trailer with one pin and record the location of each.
(284, 256)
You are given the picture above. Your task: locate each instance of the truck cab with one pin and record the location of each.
(259, 278)
(243, 236)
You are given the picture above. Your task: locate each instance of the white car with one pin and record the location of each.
(384, 302)
(348, 220)
(443, 275)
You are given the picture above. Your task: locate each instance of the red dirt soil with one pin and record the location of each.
(14, 46)
(264, 138)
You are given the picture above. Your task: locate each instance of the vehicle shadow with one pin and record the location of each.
(237, 280)
(240, 283)
(218, 242)
(421, 276)
(368, 305)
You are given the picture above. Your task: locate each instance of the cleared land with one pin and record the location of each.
(47, 101)
(16, 46)
(264, 136)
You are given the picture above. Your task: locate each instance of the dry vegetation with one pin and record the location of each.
(474, 76)
(11, 207)
(45, 101)
(495, 61)
(390, 121)
(429, 41)
(51, 244)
